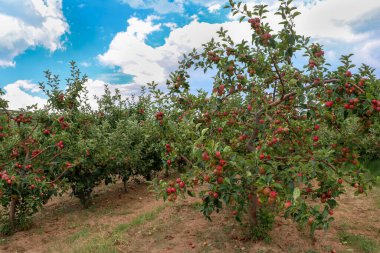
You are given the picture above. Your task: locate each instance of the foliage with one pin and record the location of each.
(70, 146)
(273, 138)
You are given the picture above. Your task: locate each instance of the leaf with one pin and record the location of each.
(296, 193)
(295, 14)
(227, 149)
(204, 131)
(191, 194)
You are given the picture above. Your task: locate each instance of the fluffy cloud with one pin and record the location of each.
(27, 24)
(18, 94)
(96, 88)
(129, 51)
(214, 7)
(370, 53)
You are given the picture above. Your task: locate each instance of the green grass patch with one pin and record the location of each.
(196, 205)
(98, 245)
(359, 243)
(108, 243)
(80, 234)
(139, 220)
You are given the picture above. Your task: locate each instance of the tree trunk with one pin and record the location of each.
(253, 206)
(125, 185)
(12, 212)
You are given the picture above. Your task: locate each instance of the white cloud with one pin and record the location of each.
(27, 24)
(369, 53)
(96, 88)
(85, 64)
(214, 7)
(129, 51)
(332, 19)
(170, 25)
(17, 94)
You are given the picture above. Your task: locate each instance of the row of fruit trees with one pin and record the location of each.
(272, 138)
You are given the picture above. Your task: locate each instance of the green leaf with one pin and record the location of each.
(204, 131)
(191, 194)
(227, 149)
(296, 193)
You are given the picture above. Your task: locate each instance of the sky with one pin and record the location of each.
(128, 43)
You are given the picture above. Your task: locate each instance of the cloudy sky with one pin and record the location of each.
(127, 43)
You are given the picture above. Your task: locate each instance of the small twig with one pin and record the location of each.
(279, 75)
(186, 159)
(357, 87)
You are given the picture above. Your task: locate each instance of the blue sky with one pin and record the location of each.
(129, 43)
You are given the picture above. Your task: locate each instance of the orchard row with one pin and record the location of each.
(271, 138)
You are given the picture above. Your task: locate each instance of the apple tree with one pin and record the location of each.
(283, 132)
(31, 165)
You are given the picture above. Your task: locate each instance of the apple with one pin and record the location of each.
(205, 156)
(273, 194)
(348, 73)
(287, 204)
(266, 191)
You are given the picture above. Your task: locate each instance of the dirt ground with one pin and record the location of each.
(137, 222)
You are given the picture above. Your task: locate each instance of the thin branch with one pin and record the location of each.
(279, 75)
(357, 87)
(186, 159)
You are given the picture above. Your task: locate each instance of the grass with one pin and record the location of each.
(359, 243)
(80, 234)
(108, 242)
(139, 220)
